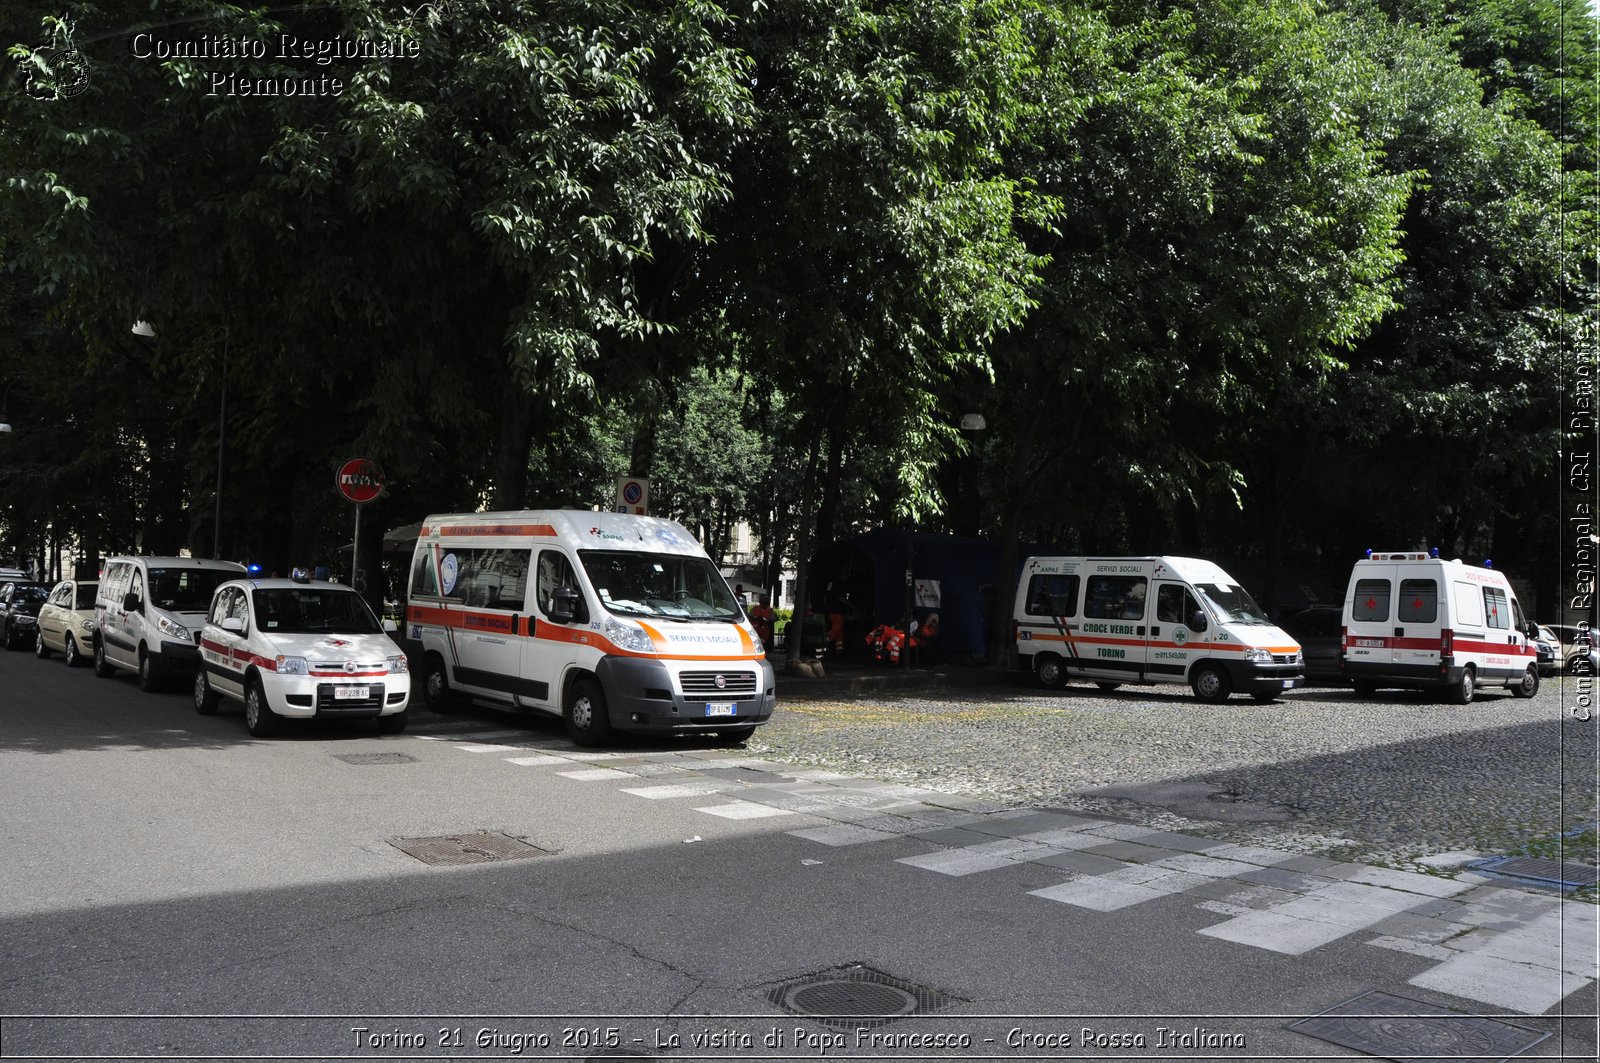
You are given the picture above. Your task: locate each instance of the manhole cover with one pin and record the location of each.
(1397, 1028)
(375, 758)
(856, 995)
(1538, 869)
(468, 848)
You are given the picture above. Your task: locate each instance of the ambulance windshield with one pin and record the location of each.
(665, 586)
(1232, 605)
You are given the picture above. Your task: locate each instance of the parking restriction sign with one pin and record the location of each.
(633, 495)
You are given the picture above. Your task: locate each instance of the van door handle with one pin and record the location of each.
(1140, 629)
(1399, 631)
(1155, 632)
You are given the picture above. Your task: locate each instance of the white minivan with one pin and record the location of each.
(148, 613)
(1150, 620)
(610, 620)
(1415, 620)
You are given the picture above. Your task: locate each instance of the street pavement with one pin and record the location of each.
(167, 868)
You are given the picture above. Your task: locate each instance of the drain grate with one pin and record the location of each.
(375, 758)
(478, 848)
(1558, 873)
(1397, 1028)
(854, 994)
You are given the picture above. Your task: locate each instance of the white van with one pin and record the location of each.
(610, 620)
(1150, 620)
(148, 614)
(1416, 620)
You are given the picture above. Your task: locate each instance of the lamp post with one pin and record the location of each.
(146, 330)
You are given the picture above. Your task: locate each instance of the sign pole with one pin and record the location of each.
(360, 481)
(355, 551)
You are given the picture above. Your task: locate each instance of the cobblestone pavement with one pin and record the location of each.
(1390, 779)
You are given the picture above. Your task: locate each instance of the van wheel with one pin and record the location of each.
(205, 699)
(1210, 683)
(1051, 674)
(258, 716)
(40, 650)
(1106, 684)
(588, 723)
(71, 654)
(1461, 693)
(149, 682)
(102, 667)
(436, 692)
(1529, 685)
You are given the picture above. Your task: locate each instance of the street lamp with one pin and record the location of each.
(146, 330)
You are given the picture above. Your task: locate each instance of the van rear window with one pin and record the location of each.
(1371, 602)
(1419, 601)
(1497, 608)
(1052, 596)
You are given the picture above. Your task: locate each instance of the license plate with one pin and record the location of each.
(1372, 643)
(1288, 684)
(350, 693)
(719, 708)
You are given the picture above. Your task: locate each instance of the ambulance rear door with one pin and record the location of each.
(1369, 642)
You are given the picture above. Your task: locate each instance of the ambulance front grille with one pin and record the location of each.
(706, 683)
(1285, 658)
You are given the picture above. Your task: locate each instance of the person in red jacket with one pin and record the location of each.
(762, 618)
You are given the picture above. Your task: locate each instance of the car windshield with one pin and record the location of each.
(668, 586)
(313, 611)
(186, 590)
(1232, 604)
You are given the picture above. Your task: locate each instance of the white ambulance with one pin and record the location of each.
(1416, 620)
(610, 620)
(1150, 620)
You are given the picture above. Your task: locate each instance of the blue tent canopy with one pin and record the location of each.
(867, 576)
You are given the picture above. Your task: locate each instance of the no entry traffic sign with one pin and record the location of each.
(360, 480)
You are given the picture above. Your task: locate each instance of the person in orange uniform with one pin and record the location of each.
(762, 618)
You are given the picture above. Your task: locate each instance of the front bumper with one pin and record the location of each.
(172, 657)
(643, 695)
(315, 697)
(1250, 677)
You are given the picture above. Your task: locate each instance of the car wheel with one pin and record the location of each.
(436, 692)
(1462, 692)
(259, 718)
(733, 736)
(1529, 685)
(149, 682)
(205, 699)
(1210, 683)
(588, 721)
(102, 667)
(1051, 674)
(394, 723)
(71, 654)
(1107, 684)
(40, 650)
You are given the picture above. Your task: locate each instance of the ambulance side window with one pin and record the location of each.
(487, 577)
(555, 572)
(1115, 598)
(1052, 596)
(1419, 601)
(424, 580)
(1499, 610)
(1174, 604)
(1371, 601)
(1469, 605)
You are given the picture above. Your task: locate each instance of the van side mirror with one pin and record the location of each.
(130, 602)
(564, 607)
(234, 624)
(1197, 620)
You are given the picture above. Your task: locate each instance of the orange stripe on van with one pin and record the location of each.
(545, 530)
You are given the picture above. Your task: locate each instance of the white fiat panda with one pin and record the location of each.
(300, 649)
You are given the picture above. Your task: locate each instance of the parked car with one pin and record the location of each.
(1316, 629)
(66, 623)
(19, 612)
(1548, 646)
(1576, 649)
(148, 612)
(302, 649)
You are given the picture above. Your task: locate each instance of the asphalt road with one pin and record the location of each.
(171, 887)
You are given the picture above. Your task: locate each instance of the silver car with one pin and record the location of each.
(66, 622)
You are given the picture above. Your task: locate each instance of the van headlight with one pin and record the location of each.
(172, 629)
(1259, 656)
(628, 636)
(760, 648)
(397, 665)
(291, 666)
